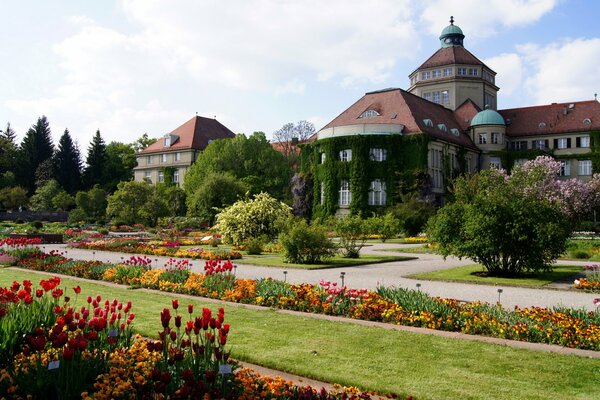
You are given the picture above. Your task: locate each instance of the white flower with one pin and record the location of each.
(576, 282)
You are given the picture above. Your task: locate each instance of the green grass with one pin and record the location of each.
(413, 250)
(428, 367)
(276, 260)
(578, 249)
(466, 274)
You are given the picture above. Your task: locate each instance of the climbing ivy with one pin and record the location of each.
(405, 154)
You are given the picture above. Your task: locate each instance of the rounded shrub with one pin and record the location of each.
(306, 244)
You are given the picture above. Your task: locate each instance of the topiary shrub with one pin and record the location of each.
(306, 244)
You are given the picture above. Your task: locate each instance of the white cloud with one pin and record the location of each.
(563, 72)
(294, 86)
(509, 69)
(482, 19)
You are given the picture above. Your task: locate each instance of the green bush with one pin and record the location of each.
(386, 226)
(580, 254)
(306, 244)
(352, 231)
(254, 246)
(413, 214)
(37, 225)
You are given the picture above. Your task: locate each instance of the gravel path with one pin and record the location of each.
(389, 274)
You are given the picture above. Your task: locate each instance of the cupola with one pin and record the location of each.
(452, 35)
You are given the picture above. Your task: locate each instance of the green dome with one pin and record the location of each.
(452, 35)
(487, 117)
(451, 30)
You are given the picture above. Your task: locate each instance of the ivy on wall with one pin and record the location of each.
(406, 155)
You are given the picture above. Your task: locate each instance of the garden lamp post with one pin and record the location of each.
(342, 275)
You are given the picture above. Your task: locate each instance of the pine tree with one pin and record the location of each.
(67, 162)
(35, 148)
(93, 173)
(8, 150)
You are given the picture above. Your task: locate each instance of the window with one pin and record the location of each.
(461, 71)
(445, 97)
(482, 138)
(428, 122)
(427, 96)
(323, 158)
(322, 193)
(426, 75)
(176, 176)
(496, 138)
(518, 145)
(161, 176)
(565, 168)
(345, 194)
(377, 193)
(442, 127)
(495, 163)
(148, 175)
(540, 144)
(473, 72)
(346, 155)
(413, 80)
(163, 158)
(377, 154)
(436, 73)
(447, 71)
(455, 131)
(583, 141)
(562, 143)
(369, 114)
(177, 156)
(436, 97)
(150, 159)
(468, 165)
(436, 168)
(585, 167)
(489, 100)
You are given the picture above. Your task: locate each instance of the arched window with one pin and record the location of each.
(369, 114)
(346, 155)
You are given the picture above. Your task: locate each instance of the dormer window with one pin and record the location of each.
(170, 139)
(428, 122)
(455, 131)
(369, 114)
(442, 127)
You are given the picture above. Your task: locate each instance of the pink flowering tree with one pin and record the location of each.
(513, 224)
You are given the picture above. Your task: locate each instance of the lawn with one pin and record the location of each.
(276, 260)
(467, 273)
(427, 367)
(414, 250)
(583, 249)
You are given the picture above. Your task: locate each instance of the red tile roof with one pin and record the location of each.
(399, 107)
(194, 134)
(465, 113)
(451, 55)
(552, 119)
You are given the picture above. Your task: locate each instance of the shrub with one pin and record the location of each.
(386, 227)
(580, 254)
(254, 246)
(352, 231)
(306, 244)
(413, 214)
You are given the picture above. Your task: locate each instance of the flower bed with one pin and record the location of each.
(54, 349)
(592, 282)
(565, 327)
(168, 249)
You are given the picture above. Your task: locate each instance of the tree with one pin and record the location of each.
(252, 218)
(513, 224)
(42, 199)
(413, 213)
(127, 204)
(67, 161)
(44, 172)
(218, 190)
(12, 198)
(120, 161)
(8, 155)
(35, 148)
(252, 160)
(142, 142)
(94, 172)
(306, 244)
(173, 199)
(352, 230)
(63, 201)
(91, 205)
(289, 135)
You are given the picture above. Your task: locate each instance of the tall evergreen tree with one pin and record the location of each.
(67, 162)
(35, 148)
(94, 174)
(8, 155)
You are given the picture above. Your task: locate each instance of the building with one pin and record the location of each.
(170, 156)
(447, 123)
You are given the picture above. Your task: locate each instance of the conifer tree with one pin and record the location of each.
(35, 148)
(93, 173)
(8, 153)
(67, 162)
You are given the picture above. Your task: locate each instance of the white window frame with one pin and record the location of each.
(163, 158)
(148, 175)
(150, 159)
(435, 163)
(177, 156)
(377, 193)
(445, 97)
(495, 162)
(176, 175)
(425, 75)
(584, 142)
(161, 176)
(378, 154)
(427, 96)
(323, 158)
(482, 138)
(346, 155)
(565, 168)
(496, 138)
(322, 193)
(561, 143)
(585, 168)
(447, 72)
(461, 71)
(538, 144)
(473, 72)
(345, 193)
(437, 96)
(437, 73)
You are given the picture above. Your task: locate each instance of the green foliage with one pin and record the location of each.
(68, 164)
(216, 191)
(91, 205)
(42, 199)
(120, 161)
(94, 172)
(497, 224)
(13, 197)
(252, 160)
(352, 231)
(255, 217)
(386, 226)
(62, 201)
(254, 246)
(413, 213)
(142, 142)
(35, 148)
(306, 244)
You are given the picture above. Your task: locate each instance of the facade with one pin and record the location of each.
(170, 156)
(447, 123)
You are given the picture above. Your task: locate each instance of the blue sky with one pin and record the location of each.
(128, 67)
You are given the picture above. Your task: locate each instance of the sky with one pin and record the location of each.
(129, 67)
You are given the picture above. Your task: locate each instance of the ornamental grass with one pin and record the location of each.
(562, 326)
(66, 351)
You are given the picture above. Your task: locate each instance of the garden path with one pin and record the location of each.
(388, 274)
